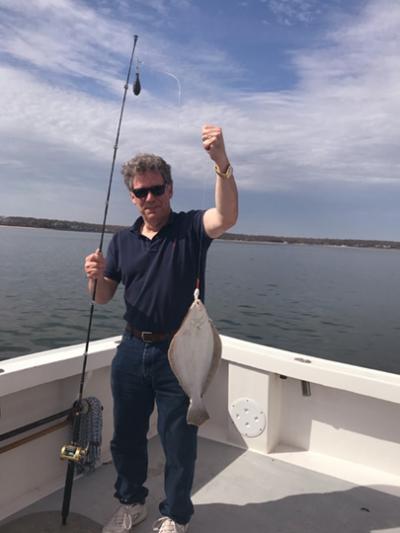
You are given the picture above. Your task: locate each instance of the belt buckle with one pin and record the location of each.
(146, 336)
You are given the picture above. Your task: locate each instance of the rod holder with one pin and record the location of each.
(305, 388)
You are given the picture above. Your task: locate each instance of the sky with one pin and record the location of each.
(307, 93)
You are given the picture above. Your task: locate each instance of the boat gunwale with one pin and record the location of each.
(34, 369)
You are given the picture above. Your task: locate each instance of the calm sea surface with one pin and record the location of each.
(337, 303)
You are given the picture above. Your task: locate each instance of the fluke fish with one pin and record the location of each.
(194, 355)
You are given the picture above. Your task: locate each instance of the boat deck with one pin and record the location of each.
(234, 491)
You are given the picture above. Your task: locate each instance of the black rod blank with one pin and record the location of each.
(78, 404)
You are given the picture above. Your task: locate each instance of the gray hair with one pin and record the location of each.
(142, 163)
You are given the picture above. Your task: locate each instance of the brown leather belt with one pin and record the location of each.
(149, 336)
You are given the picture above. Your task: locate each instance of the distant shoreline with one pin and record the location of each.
(69, 225)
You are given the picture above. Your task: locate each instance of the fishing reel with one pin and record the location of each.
(73, 452)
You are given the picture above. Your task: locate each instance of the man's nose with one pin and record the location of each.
(150, 196)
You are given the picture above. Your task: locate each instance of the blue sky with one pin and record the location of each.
(306, 91)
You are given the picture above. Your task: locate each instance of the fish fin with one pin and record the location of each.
(174, 367)
(197, 414)
(217, 342)
(217, 351)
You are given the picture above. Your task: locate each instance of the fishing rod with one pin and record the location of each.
(73, 452)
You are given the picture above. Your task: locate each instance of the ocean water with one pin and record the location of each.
(337, 303)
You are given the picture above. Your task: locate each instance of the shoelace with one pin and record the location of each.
(125, 518)
(166, 525)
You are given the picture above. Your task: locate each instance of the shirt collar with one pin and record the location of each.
(139, 223)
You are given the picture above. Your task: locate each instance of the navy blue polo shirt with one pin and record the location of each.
(159, 274)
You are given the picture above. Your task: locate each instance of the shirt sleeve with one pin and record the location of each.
(113, 270)
(198, 226)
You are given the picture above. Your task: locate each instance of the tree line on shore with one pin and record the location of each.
(70, 225)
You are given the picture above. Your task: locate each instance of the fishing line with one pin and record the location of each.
(73, 452)
(199, 263)
(202, 203)
(179, 87)
(203, 194)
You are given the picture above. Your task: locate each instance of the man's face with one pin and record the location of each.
(154, 209)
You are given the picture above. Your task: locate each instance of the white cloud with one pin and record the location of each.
(67, 38)
(164, 7)
(338, 125)
(63, 38)
(290, 12)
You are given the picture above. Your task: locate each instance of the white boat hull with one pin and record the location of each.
(348, 428)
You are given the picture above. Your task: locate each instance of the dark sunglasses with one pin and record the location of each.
(156, 190)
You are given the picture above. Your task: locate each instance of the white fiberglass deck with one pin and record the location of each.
(237, 491)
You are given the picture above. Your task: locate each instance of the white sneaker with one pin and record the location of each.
(125, 517)
(167, 525)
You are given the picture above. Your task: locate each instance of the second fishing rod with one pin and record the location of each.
(74, 452)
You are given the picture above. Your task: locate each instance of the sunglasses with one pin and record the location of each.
(156, 190)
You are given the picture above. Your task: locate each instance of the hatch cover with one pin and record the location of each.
(248, 417)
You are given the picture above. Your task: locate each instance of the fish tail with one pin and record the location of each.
(197, 413)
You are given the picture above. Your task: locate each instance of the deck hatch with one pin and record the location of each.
(248, 417)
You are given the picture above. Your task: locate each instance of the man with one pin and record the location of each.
(158, 260)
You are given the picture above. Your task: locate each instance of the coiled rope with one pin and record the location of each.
(90, 433)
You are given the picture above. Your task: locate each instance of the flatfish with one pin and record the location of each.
(194, 355)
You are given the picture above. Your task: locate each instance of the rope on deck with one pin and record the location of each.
(90, 433)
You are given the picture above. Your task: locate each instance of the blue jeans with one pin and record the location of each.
(140, 375)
